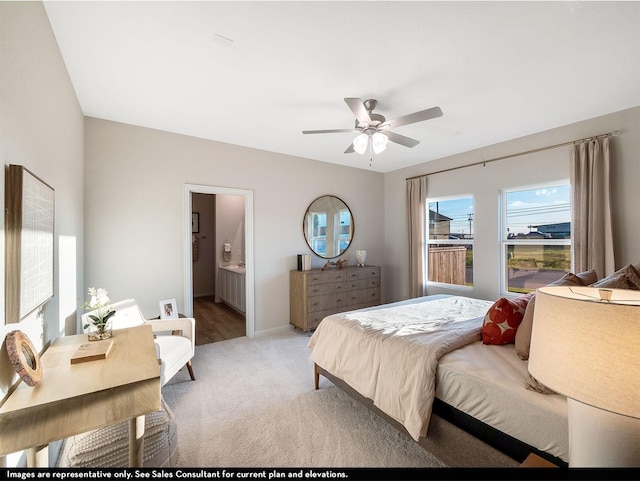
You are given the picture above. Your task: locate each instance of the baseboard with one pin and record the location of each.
(204, 294)
(273, 330)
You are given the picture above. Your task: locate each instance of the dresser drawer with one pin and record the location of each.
(368, 272)
(316, 294)
(315, 290)
(327, 301)
(336, 275)
(315, 317)
(315, 278)
(335, 287)
(355, 307)
(330, 288)
(363, 283)
(364, 296)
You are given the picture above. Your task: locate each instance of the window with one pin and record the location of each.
(318, 237)
(318, 231)
(344, 229)
(450, 242)
(536, 237)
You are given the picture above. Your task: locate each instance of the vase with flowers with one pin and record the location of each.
(98, 326)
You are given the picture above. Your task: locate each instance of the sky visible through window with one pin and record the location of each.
(525, 209)
(460, 211)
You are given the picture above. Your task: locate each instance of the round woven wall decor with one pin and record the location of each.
(24, 357)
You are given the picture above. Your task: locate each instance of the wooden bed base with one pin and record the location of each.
(508, 445)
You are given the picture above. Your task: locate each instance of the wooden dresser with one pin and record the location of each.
(316, 294)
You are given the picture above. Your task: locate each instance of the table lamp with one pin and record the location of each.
(585, 344)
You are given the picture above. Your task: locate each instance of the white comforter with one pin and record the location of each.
(390, 353)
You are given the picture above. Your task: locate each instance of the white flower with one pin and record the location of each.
(101, 304)
(99, 297)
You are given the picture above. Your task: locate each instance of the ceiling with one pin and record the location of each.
(258, 73)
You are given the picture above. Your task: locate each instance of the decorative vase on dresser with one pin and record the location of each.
(316, 294)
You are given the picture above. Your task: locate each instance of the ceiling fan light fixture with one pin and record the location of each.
(379, 142)
(360, 143)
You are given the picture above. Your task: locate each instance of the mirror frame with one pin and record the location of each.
(304, 227)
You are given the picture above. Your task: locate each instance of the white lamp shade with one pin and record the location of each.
(360, 143)
(588, 349)
(379, 142)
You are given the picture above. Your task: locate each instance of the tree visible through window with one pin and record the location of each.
(536, 237)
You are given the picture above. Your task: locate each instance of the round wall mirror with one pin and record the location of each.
(328, 226)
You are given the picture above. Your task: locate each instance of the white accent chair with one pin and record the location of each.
(174, 338)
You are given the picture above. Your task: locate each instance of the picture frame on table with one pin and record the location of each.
(168, 309)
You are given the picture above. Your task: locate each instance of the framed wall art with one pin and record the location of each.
(29, 237)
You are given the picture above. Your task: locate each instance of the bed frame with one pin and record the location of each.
(508, 445)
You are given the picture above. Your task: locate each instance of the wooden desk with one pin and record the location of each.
(75, 398)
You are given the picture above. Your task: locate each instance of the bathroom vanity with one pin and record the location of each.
(231, 286)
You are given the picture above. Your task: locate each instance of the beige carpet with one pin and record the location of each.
(253, 405)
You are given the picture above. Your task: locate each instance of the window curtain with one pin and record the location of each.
(591, 227)
(417, 208)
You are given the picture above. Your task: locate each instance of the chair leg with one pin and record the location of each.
(193, 378)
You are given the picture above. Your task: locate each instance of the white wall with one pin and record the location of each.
(42, 128)
(484, 183)
(134, 203)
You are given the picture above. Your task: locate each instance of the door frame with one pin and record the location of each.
(248, 247)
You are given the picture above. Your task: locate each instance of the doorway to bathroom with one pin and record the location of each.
(219, 262)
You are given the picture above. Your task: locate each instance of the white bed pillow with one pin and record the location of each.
(523, 334)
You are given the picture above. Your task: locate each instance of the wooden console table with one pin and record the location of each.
(75, 398)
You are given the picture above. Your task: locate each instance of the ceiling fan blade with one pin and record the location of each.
(431, 113)
(350, 149)
(331, 131)
(401, 139)
(358, 109)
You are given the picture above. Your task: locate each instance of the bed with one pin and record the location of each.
(412, 358)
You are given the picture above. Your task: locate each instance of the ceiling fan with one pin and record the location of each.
(375, 130)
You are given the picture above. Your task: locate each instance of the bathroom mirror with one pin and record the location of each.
(328, 226)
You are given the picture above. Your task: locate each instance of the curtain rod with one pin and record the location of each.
(615, 133)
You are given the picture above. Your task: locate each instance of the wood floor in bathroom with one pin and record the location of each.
(215, 321)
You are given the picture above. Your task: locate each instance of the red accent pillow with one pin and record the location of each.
(502, 320)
